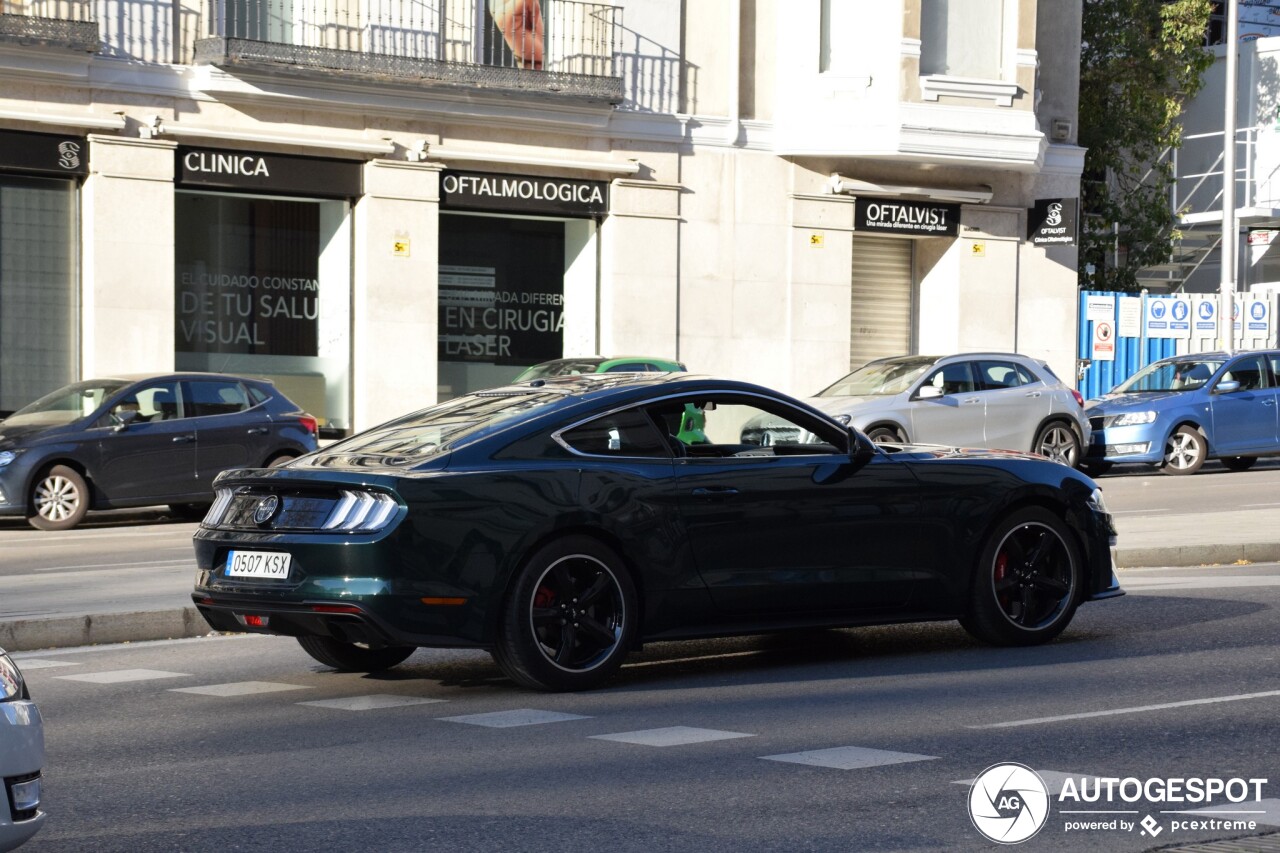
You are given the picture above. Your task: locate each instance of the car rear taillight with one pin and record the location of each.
(1079, 397)
(311, 425)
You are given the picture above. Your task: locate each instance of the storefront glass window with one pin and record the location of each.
(263, 289)
(38, 306)
(513, 292)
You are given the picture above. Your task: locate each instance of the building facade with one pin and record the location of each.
(381, 204)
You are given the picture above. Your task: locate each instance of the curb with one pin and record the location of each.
(1188, 556)
(22, 635)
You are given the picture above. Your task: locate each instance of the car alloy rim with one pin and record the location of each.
(577, 613)
(1059, 445)
(1032, 575)
(1182, 452)
(57, 498)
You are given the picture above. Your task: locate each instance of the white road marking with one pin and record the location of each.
(1135, 710)
(45, 663)
(510, 719)
(239, 688)
(1139, 511)
(849, 757)
(1262, 811)
(372, 702)
(1139, 585)
(671, 736)
(122, 675)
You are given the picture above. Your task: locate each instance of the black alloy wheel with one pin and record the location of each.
(59, 499)
(1059, 442)
(569, 619)
(1028, 581)
(1238, 463)
(354, 657)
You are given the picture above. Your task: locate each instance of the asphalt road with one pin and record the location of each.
(840, 740)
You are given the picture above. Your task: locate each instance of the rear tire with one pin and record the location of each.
(59, 499)
(349, 657)
(1058, 441)
(1028, 582)
(570, 618)
(1238, 463)
(1184, 452)
(190, 512)
(283, 458)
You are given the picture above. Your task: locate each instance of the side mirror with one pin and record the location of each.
(1226, 387)
(928, 392)
(861, 448)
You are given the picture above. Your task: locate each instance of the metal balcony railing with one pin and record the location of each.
(49, 23)
(553, 46)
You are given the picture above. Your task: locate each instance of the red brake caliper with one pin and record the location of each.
(544, 597)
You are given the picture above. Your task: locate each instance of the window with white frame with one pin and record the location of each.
(962, 38)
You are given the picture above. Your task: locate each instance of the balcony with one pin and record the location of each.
(61, 24)
(554, 49)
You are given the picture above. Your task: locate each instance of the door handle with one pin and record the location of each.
(259, 431)
(715, 492)
(1270, 401)
(183, 439)
(1032, 394)
(971, 400)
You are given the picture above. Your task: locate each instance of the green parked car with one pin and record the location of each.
(601, 364)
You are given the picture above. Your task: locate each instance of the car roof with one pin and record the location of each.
(932, 359)
(179, 374)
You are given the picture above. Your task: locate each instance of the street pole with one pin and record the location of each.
(1230, 242)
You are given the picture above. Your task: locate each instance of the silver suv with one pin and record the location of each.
(973, 399)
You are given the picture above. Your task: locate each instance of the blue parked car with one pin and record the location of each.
(1180, 411)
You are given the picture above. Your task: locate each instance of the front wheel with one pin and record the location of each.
(1027, 585)
(59, 499)
(569, 619)
(1184, 452)
(1059, 442)
(885, 435)
(1238, 463)
(354, 657)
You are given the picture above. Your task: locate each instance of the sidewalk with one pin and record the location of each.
(1145, 540)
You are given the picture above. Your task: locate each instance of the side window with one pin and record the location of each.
(1025, 376)
(215, 398)
(1275, 369)
(627, 368)
(953, 378)
(628, 433)
(722, 425)
(999, 374)
(150, 404)
(1249, 372)
(257, 396)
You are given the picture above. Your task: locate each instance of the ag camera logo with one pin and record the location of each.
(1008, 803)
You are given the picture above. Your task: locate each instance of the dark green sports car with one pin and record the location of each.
(561, 523)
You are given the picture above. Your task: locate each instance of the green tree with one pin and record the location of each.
(1140, 61)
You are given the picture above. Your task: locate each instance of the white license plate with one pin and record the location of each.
(258, 564)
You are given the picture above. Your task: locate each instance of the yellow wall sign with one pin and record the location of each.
(400, 246)
(978, 249)
(817, 240)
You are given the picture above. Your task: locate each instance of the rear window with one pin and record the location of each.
(421, 435)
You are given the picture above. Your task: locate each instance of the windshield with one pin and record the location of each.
(65, 405)
(416, 437)
(564, 367)
(878, 379)
(1185, 374)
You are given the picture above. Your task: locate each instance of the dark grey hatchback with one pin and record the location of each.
(140, 440)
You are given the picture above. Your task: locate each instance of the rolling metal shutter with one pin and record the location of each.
(881, 299)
